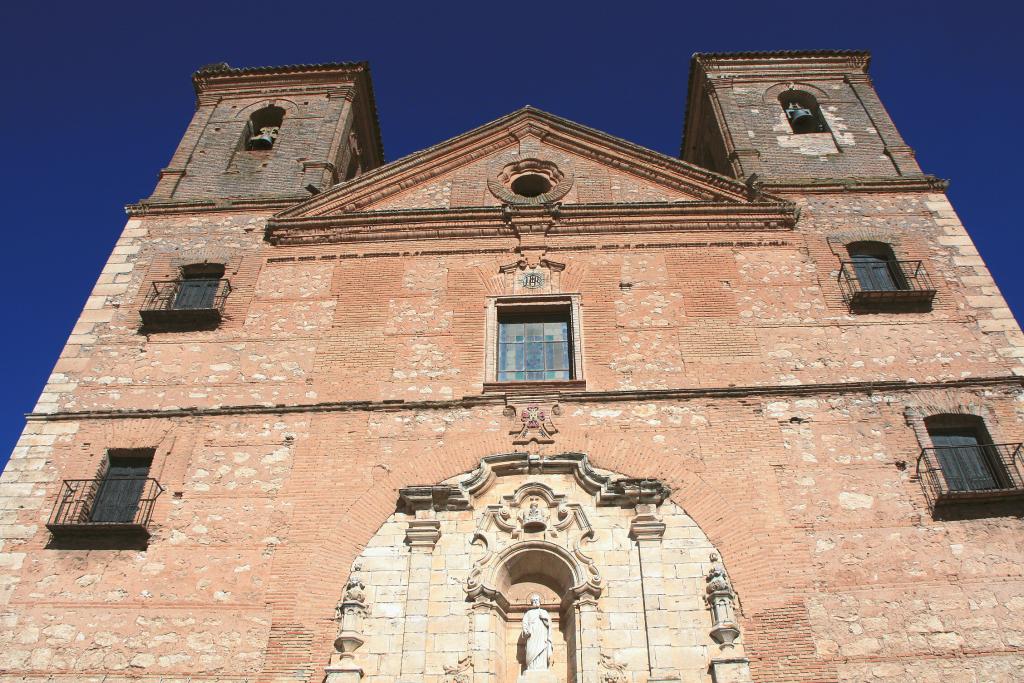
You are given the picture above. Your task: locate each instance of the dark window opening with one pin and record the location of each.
(263, 128)
(802, 112)
(876, 267)
(965, 453)
(535, 346)
(120, 489)
(531, 185)
(199, 285)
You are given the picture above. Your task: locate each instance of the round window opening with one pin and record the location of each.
(531, 185)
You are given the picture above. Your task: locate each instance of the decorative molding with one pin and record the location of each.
(423, 533)
(607, 492)
(573, 219)
(561, 182)
(153, 207)
(435, 498)
(923, 183)
(566, 396)
(646, 527)
(628, 492)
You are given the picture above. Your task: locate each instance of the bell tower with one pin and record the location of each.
(273, 133)
(791, 115)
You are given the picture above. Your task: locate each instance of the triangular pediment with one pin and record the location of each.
(576, 165)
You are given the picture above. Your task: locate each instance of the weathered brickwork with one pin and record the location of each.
(339, 434)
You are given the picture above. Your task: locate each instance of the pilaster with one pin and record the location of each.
(647, 529)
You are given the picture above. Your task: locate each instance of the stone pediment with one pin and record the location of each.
(575, 164)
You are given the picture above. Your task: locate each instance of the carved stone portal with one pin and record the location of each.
(537, 569)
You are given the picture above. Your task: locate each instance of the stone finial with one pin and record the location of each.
(349, 615)
(720, 596)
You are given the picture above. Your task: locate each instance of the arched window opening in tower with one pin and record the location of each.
(263, 128)
(802, 112)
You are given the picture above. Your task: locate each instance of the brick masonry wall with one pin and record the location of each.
(808, 489)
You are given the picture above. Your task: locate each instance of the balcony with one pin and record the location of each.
(190, 303)
(110, 505)
(886, 286)
(985, 472)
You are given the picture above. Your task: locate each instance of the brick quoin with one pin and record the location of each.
(722, 360)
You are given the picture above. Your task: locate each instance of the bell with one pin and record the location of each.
(801, 119)
(264, 139)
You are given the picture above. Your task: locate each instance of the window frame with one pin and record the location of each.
(541, 305)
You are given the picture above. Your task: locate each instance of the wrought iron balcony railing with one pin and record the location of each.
(190, 302)
(110, 504)
(886, 285)
(964, 473)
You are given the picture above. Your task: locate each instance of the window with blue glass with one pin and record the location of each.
(534, 347)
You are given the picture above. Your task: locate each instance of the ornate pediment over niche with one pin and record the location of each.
(535, 511)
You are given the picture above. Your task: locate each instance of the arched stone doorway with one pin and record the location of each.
(623, 577)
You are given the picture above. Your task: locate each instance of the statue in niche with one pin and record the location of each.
(537, 629)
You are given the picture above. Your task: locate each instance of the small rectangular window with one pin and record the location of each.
(534, 347)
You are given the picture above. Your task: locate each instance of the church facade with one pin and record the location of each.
(532, 405)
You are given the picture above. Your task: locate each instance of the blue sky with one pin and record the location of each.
(99, 94)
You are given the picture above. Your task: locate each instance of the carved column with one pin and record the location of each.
(647, 529)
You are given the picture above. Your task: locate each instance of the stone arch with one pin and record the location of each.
(771, 94)
(291, 108)
(937, 403)
(838, 242)
(564, 569)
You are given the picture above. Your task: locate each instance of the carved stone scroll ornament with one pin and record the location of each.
(462, 672)
(608, 492)
(612, 671)
(720, 598)
(534, 517)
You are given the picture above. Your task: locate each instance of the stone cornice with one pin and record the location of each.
(770, 64)
(1009, 381)
(148, 207)
(224, 78)
(923, 183)
(572, 219)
